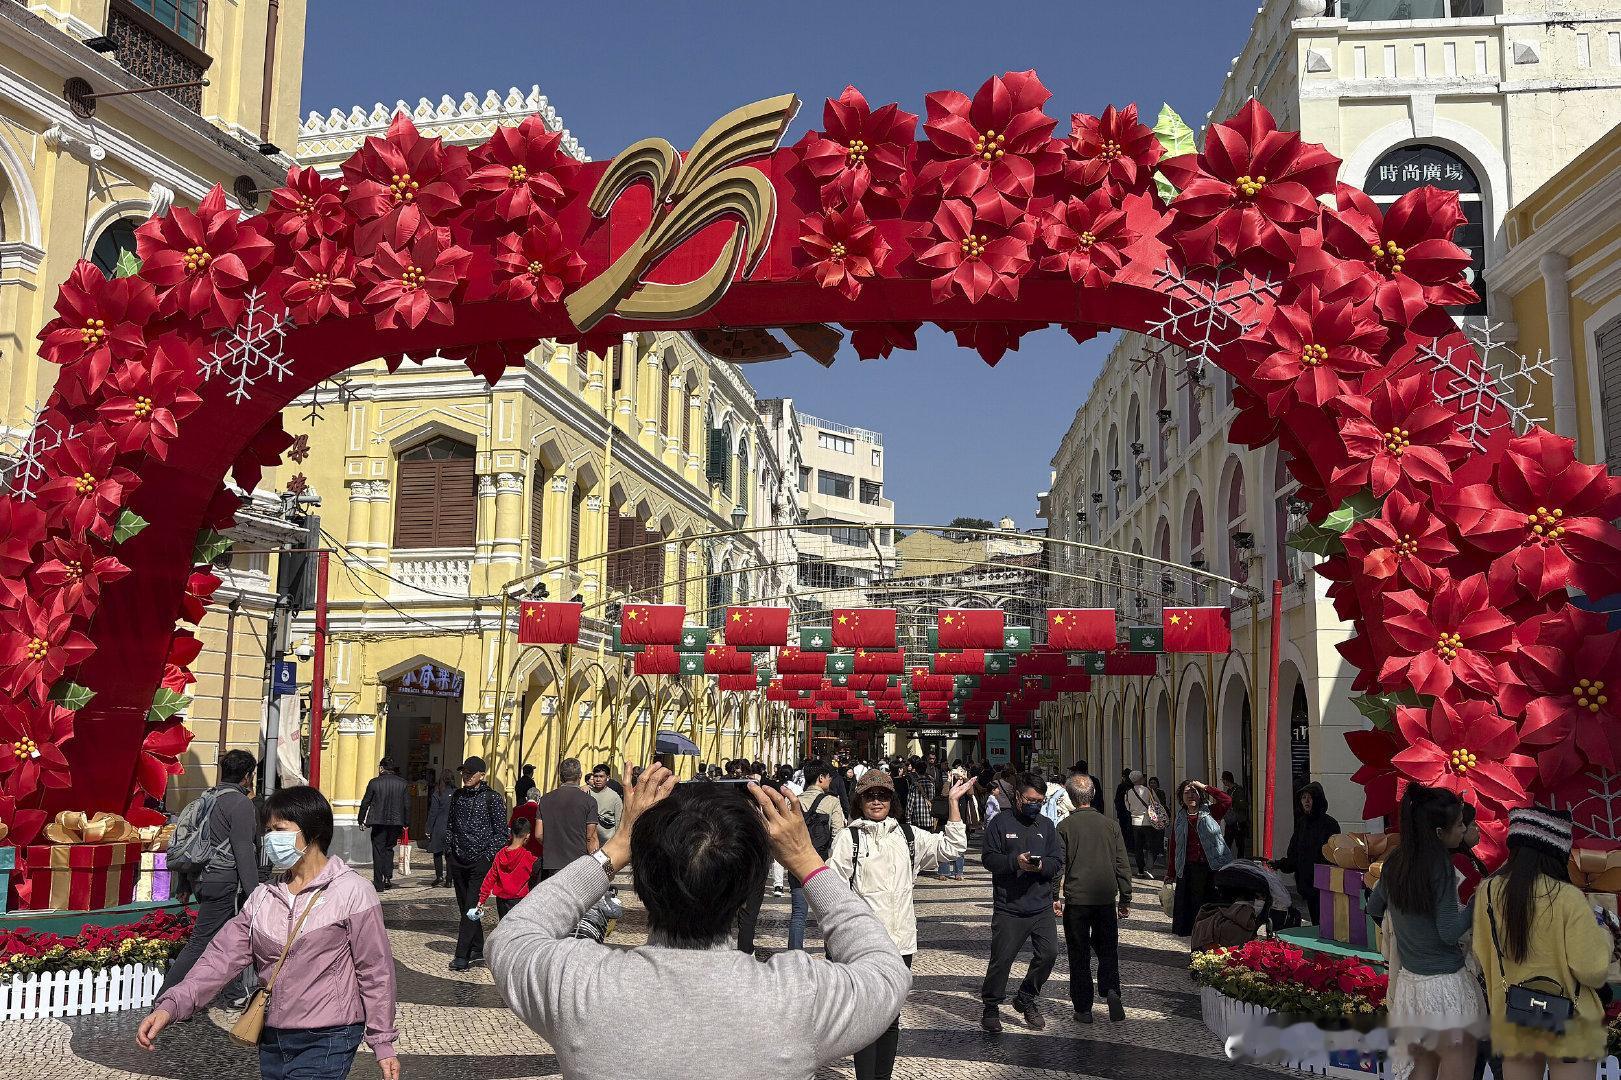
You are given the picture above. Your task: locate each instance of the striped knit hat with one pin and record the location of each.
(1548, 831)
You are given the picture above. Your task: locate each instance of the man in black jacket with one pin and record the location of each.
(477, 831)
(1024, 856)
(382, 810)
(232, 871)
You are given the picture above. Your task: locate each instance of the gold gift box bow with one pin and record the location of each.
(1596, 871)
(77, 827)
(1359, 851)
(156, 837)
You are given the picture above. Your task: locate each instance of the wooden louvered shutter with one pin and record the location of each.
(574, 526)
(414, 516)
(537, 515)
(664, 401)
(618, 527)
(437, 502)
(1608, 340)
(718, 457)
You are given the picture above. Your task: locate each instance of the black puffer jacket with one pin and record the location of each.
(1311, 833)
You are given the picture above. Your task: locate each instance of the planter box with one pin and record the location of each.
(79, 992)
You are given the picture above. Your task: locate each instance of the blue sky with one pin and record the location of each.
(962, 438)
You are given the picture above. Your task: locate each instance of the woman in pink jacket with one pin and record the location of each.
(337, 985)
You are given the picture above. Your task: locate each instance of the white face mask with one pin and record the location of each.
(283, 849)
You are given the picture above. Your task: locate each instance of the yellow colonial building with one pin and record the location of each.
(631, 475)
(79, 172)
(1560, 285)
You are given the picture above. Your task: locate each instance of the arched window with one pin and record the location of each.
(1094, 499)
(1191, 403)
(437, 505)
(720, 455)
(576, 507)
(743, 474)
(1237, 523)
(1424, 165)
(666, 391)
(1138, 448)
(1283, 487)
(1161, 417)
(114, 240)
(1196, 556)
(1115, 476)
(537, 512)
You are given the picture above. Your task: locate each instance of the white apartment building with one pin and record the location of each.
(1488, 98)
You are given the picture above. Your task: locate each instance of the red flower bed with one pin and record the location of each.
(1313, 987)
(155, 939)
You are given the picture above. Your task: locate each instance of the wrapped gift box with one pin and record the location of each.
(8, 863)
(1341, 914)
(154, 883)
(81, 877)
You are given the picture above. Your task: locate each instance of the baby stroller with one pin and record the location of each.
(1252, 881)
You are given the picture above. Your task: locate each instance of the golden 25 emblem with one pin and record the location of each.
(688, 195)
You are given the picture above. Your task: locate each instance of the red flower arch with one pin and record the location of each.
(1325, 311)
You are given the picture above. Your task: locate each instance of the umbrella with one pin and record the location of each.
(671, 743)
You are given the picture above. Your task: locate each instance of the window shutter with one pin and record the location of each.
(458, 504)
(716, 470)
(664, 400)
(414, 500)
(537, 515)
(1609, 368)
(437, 500)
(574, 525)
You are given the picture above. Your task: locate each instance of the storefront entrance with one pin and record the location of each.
(424, 732)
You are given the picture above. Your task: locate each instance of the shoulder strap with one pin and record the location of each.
(911, 842)
(1491, 917)
(292, 935)
(817, 802)
(855, 853)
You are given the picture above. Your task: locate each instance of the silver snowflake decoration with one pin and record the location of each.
(1598, 813)
(1205, 313)
(330, 392)
(254, 350)
(23, 466)
(1487, 382)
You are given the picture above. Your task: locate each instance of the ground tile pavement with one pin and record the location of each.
(455, 1027)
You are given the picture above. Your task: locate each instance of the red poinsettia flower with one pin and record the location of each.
(974, 256)
(491, 359)
(1114, 150)
(1252, 189)
(308, 209)
(1085, 238)
(859, 150)
(992, 340)
(1452, 633)
(1547, 517)
(37, 643)
(521, 172)
(539, 267)
(1402, 259)
(1405, 544)
(83, 488)
(165, 741)
(1398, 435)
(402, 182)
(71, 573)
(990, 149)
(320, 282)
(200, 262)
(149, 400)
(412, 281)
(22, 527)
(844, 248)
(1377, 778)
(200, 588)
(876, 341)
(22, 826)
(1569, 670)
(1310, 347)
(31, 741)
(99, 321)
(1468, 748)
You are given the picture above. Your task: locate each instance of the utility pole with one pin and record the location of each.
(295, 592)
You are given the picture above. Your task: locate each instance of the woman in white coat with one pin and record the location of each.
(880, 856)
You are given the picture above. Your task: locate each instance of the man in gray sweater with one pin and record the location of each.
(686, 1000)
(1096, 896)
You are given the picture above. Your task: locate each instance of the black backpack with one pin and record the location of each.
(820, 826)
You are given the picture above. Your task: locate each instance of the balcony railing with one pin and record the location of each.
(431, 575)
(1400, 10)
(160, 42)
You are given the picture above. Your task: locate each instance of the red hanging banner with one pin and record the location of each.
(541, 623)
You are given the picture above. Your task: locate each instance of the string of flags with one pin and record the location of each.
(978, 667)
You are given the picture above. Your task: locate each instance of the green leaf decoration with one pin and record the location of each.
(1315, 539)
(210, 546)
(1177, 139)
(71, 696)
(128, 264)
(128, 526)
(166, 703)
(1358, 507)
(1380, 709)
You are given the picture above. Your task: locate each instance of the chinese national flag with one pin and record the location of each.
(657, 660)
(757, 626)
(791, 661)
(966, 662)
(736, 683)
(549, 624)
(1198, 630)
(1120, 660)
(972, 628)
(651, 624)
(1081, 629)
(727, 660)
(864, 628)
(880, 662)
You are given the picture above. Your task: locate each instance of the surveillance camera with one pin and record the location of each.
(304, 651)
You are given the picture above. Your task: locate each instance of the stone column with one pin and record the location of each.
(382, 522)
(693, 467)
(562, 366)
(651, 394)
(553, 540)
(625, 404)
(507, 540)
(593, 542)
(484, 535)
(596, 386)
(671, 451)
(1556, 288)
(360, 516)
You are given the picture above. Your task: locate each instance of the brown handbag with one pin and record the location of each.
(250, 1026)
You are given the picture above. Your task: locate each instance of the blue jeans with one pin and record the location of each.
(323, 1053)
(953, 866)
(798, 913)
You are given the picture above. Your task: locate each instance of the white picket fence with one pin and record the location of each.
(79, 992)
(1226, 1018)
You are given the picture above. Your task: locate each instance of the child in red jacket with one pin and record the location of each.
(508, 879)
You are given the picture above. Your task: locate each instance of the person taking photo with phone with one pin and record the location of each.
(1024, 857)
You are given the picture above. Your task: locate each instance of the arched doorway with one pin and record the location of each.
(1195, 744)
